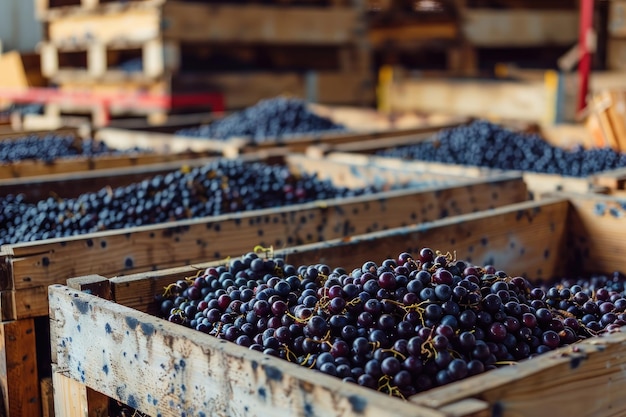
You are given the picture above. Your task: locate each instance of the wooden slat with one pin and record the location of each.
(47, 398)
(161, 368)
(70, 396)
(365, 137)
(306, 25)
(598, 233)
(411, 35)
(527, 238)
(526, 101)
(18, 369)
(10, 133)
(136, 26)
(50, 10)
(584, 379)
(92, 284)
(72, 184)
(202, 240)
(614, 179)
(521, 28)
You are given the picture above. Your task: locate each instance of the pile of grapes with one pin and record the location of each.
(485, 144)
(278, 118)
(220, 187)
(401, 327)
(51, 147)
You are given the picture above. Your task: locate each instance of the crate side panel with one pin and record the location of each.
(150, 248)
(523, 239)
(598, 226)
(161, 368)
(585, 380)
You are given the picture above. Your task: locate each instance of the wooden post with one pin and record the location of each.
(18, 369)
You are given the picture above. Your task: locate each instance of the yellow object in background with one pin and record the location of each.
(385, 79)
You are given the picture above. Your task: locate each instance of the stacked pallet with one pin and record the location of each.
(421, 34)
(244, 51)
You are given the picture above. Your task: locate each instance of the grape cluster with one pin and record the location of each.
(220, 187)
(482, 143)
(278, 118)
(51, 147)
(401, 327)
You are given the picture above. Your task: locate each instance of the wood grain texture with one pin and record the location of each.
(18, 369)
(194, 22)
(527, 238)
(598, 232)
(34, 266)
(47, 398)
(164, 369)
(585, 380)
(70, 396)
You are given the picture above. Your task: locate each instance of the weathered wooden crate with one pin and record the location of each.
(117, 349)
(27, 269)
(364, 126)
(160, 151)
(538, 183)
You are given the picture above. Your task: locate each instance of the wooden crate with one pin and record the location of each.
(363, 126)
(538, 183)
(162, 152)
(29, 268)
(543, 98)
(103, 349)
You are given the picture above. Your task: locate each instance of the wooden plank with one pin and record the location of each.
(410, 35)
(92, 284)
(613, 179)
(47, 398)
(70, 396)
(37, 265)
(520, 28)
(136, 25)
(598, 231)
(365, 136)
(50, 10)
(537, 183)
(475, 98)
(12, 134)
(18, 368)
(72, 184)
(526, 237)
(161, 368)
(585, 379)
(273, 24)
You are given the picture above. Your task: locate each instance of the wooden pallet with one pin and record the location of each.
(170, 37)
(126, 354)
(29, 268)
